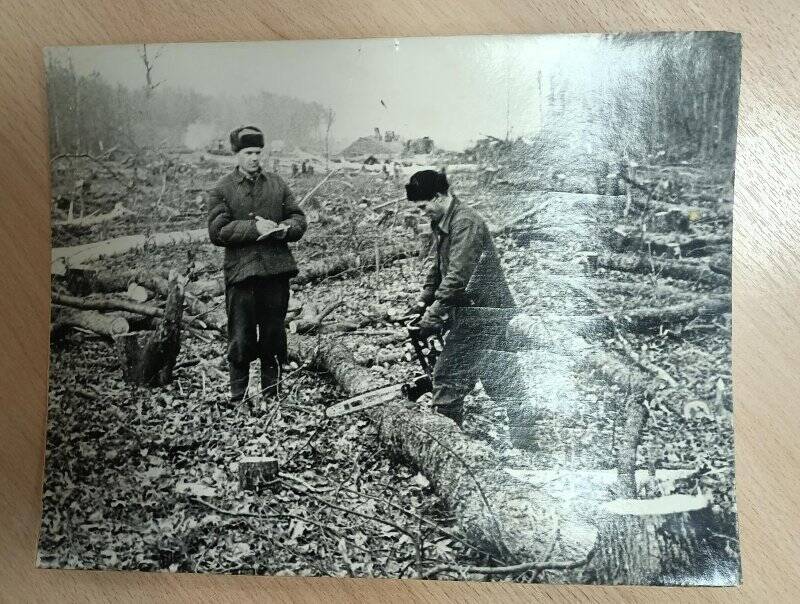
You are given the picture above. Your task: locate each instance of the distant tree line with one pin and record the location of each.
(87, 114)
(667, 95)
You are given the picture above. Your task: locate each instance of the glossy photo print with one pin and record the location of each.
(419, 308)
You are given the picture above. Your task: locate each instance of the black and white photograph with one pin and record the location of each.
(451, 308)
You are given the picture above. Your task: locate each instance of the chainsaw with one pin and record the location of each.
(426, 350)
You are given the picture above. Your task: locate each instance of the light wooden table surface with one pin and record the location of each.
(766, 282)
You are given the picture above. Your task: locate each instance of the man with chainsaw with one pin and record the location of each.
(466, 295)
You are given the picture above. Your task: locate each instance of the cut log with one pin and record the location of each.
(206, 288)
(637, 263)
(723, 212)
(104, 325)
(63, 257)
(379, 357)
(642, 289)
(83, 281)
(148, 357)
(493, 509)
(135, 322)
(107, 303)
(110, 303)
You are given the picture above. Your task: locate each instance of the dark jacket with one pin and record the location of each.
(233, 204)
(466, 270)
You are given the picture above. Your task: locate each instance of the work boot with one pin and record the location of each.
(454, 412)
(269, 380)
(240, 378)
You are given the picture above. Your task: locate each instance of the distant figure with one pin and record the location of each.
(396, 169)
(385, 171)
(304, 169)
(295, 170)
(309, 170)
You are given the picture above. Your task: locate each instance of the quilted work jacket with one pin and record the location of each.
(233, 204)
(466, 271)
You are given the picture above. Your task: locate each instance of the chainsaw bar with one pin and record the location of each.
(365, 400)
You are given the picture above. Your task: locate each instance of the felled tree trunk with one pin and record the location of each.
(645, 319)
(493, 509)
(635, 263)
(148, 357)
(526, 331)
(107, 303)
(319, 269)
(673, 244)
(111, 303)
(63, 257)
(84, 281)
(100, 324)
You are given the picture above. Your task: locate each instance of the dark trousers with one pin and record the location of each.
(473, 351)
(256, 312)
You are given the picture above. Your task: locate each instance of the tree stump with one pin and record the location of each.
(256, 472)
(148, 357)
(651, 541)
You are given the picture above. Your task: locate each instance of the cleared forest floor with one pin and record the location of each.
(146, 479)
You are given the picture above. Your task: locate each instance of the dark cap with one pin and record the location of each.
(246, 136)
(425, 185)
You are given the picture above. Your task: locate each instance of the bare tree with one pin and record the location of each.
(330, 116)
(149, 63)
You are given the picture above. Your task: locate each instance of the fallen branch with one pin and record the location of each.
(98, 160)
(506, 570)
(318, 185)
(311, 320)
(118, 212)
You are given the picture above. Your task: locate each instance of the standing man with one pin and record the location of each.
(466, 293)
(253, 215)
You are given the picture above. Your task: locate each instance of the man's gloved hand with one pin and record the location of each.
(433, 321)
(416, 308)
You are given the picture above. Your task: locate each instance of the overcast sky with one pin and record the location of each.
(453, 89)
